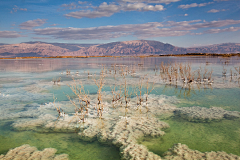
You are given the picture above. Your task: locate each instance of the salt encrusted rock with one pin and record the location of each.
(33, 124)
(232, 115)
(182, 152)
(91, 131)
(5, 114)
(61, 157)
(157, 104)
(201, 114)
(137, 151)
(124, 132)
(47, 123)
(26, 152)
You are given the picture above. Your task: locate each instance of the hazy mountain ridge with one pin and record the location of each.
(218, 48)
(136, 47)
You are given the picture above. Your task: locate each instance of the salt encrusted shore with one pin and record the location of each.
(26, 152)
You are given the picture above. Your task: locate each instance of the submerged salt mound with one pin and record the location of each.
(182, 152)
(124, 133)
(33, 124)
(26, 152)
(30, 113)
(20, 111)
(46, 123)
(201, 114)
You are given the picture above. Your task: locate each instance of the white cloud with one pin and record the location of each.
(82, 2)
(186, 6)
(78, 5)
(28, 25)
(89, 14)
(219, 23)
(69, 5)
(230, 29)
(54, 24)
(194, 25)
(16, 8)
(103, 10)
(146, 30)
(23, 9)
(220, 0)
(185, 14)
(217, 30)
(149, 1)
(215, 10)
(104, 7)
(106, 10)
(102, 32)
(142, 7)
(10, 34)
(40, 38)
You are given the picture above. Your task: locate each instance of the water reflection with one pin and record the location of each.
(42, 65)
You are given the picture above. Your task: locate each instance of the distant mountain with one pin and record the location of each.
(217, 48)
(137, 47)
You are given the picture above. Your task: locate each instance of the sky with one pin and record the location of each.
(183, 23)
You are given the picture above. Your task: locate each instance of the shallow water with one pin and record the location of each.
(205, 137)
(25, 85)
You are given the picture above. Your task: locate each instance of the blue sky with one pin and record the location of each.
(183, 23)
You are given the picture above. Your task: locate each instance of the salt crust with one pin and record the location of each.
(182, 152)
(26, 152)
(201, 114)
(115, 127)
(124, 134)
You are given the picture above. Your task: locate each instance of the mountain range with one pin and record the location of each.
(131, 48)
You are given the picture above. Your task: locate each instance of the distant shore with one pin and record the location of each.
(140, 56)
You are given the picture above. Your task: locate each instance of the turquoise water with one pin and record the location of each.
(27, 84)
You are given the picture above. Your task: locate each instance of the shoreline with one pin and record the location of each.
(136, 56)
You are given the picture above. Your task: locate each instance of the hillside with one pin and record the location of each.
(137, 47)
(217, 48)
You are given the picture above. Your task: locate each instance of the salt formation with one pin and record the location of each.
(182, 152)
(157, 104)
(26, 152)
(201, 114)
(124, 133)
(10, 111)
(118, 126)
